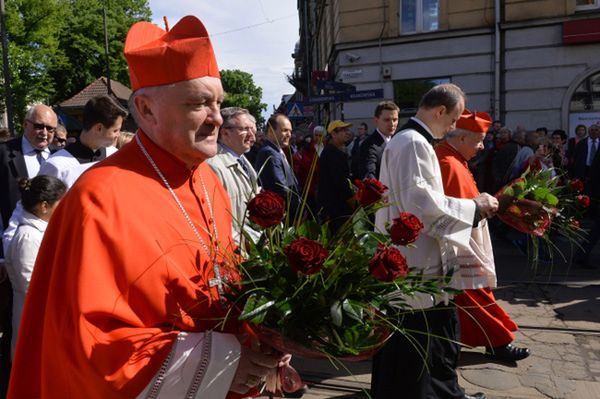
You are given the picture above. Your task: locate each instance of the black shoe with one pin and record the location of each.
(478, 395)
(507, 353)
(297, 394)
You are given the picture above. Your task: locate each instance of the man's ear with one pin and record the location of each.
(144, 106)
(440, 111)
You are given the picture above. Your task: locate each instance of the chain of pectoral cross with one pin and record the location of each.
(218, 280)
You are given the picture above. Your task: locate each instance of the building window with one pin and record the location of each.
(408, 93)
(418, 16)
(586, 97)
(586, 4)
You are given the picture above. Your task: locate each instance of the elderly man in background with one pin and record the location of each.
(482, 321)
(236, 137)
(147, 314)
(424, 364)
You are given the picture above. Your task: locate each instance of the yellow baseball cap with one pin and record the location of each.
(336, 125)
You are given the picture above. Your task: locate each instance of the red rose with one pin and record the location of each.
(583, 200)
(405, 229)
(266, 209)
(577, 185)
(388, 264)
(305, 256)
(369, 191)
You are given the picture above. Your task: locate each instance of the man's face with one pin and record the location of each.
(361, 131)
(387, 122)
(40, 127)
(186, 118)
(446, 121)
(239, 134)
(557, 141)
(497, 126)
(580, 132)
(109, 135)
(282, 132)
(594, 131)
(60, 139)
(470, 144)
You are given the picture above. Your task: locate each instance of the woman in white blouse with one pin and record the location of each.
(39, 197)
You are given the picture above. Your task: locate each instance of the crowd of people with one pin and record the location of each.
(123, 249)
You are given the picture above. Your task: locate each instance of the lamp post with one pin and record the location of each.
(106, 48)
(6, 70)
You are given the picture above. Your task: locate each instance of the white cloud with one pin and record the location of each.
(256, 36)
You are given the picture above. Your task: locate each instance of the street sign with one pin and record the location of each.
(335, 86)
(294, 110)
(364, 95)
(345, 97)
(323, 99)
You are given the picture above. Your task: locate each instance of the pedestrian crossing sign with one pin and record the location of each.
(294, 110)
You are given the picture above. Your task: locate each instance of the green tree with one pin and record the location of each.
(32, 29)
(240, 91)
(81, 40)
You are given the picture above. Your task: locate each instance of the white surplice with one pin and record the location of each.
(410, 170)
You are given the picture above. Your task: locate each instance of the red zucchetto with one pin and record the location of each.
(477, 122)
(157, 57)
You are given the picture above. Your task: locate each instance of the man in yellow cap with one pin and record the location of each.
(334, 192)
(128, 295)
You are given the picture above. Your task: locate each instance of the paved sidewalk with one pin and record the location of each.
(558, 310)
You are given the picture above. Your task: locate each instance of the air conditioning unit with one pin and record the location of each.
(386, 71)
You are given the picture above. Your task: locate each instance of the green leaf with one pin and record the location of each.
(353, 310)
(256, 308)
(551, 199)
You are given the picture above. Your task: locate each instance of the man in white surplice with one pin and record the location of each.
(423, 365)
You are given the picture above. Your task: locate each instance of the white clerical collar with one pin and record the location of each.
(383, 136)
(420, 122)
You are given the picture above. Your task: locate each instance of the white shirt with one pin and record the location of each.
(385, 138)
(20, 259)
(30, 155)
(590, 155)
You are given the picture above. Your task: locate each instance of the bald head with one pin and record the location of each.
(39, 126)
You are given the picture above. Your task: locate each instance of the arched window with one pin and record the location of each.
(586, 97)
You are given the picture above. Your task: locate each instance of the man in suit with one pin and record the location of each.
(236, 137)
(275, 173)
(22, 156)
(386, 122)
(19, 157)
(585, 152)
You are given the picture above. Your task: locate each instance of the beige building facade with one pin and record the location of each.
(531, 63)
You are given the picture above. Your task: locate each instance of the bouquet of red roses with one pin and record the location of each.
(315, 294)
(540, 202)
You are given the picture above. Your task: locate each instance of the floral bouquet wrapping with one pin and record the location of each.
(315, 294)
(540, 202)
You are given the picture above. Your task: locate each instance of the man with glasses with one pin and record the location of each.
(60, 138)
(236, 137)
(20, 157)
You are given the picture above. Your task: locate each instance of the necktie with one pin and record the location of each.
(593, 152)
(39, 156)
(243, 165)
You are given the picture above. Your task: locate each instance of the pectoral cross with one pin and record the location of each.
(218, 281)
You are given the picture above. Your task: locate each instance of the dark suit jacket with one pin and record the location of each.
(578, 168)
(12, 167)
(275, 174)
(371, 151)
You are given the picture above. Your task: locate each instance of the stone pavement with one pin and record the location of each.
(557, 308)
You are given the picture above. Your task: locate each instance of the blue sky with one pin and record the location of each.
(256, 36)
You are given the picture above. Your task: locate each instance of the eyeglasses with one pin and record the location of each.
(240, 128)
(60, 140)
(41, 126)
